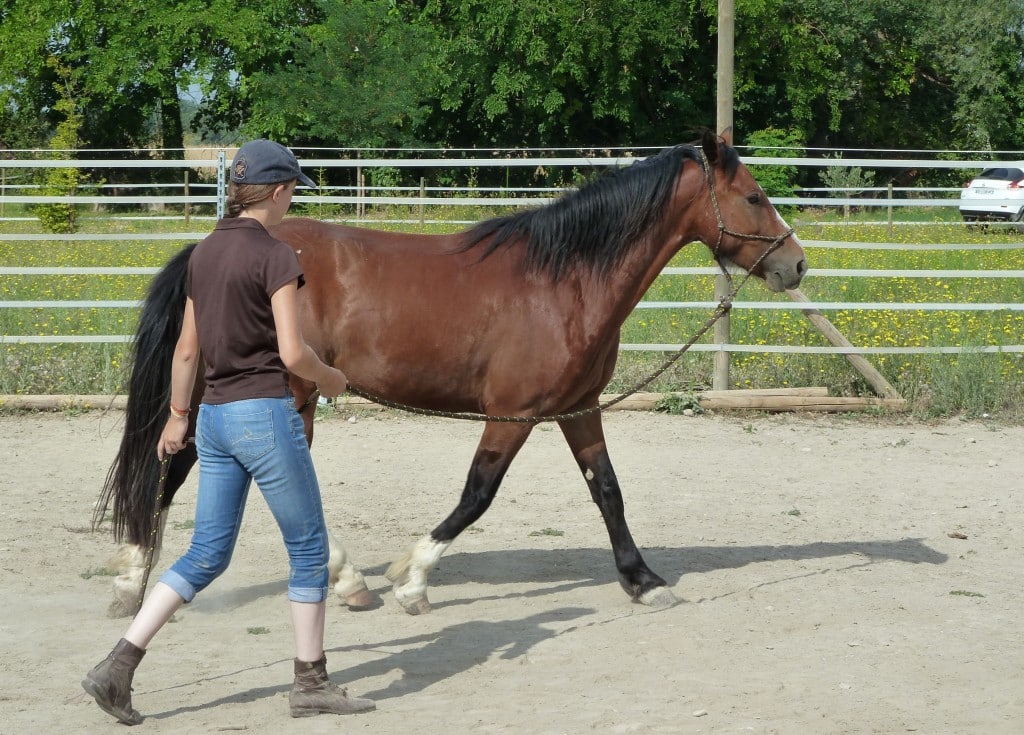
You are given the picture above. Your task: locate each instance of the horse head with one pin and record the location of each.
(748, 230)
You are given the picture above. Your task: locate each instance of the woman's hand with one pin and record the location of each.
(335, 383)
(172, 440)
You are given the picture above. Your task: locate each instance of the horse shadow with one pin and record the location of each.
(420, 660)
(563, 569)
(555, 571)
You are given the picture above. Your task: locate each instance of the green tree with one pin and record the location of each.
(577, 72)
(131, 59)
(477, 73)
(976, 55)
(777, 181)
(882, 73)
(62, 217)
(359, 78)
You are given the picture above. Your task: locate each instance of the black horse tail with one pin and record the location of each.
(134, 476)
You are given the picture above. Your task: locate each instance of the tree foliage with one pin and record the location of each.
(62, 217)
(356, 76)
(479, 73)
(131, 59)
(592, 72)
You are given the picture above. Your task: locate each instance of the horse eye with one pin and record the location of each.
(754, 198)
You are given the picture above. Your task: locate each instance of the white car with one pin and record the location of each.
(997, 193)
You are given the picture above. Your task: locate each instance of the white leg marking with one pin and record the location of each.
(347, 581)
(409, 574)
(659, 597)
(130, 564)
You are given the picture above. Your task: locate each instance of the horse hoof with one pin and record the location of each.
(125, 602)
(359, 600)
(419, 606)
(658, 598)
(119, 608)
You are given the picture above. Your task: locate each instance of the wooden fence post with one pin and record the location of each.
(833, 335)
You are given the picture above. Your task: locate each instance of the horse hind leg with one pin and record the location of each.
(132, 565)
(345, 579)
(498, 446)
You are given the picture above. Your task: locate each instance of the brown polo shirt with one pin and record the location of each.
(232, 275)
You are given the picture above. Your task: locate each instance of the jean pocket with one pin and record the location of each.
(251, 434)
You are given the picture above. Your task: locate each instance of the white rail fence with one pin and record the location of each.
(361, 195)
(14, 191)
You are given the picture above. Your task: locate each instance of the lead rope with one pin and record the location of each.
(721, 310)
(165, 464)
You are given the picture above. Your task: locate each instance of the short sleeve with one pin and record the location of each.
(282, 267)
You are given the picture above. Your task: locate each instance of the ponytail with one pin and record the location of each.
(241, 196)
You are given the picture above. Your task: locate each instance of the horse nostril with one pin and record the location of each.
(801, 267)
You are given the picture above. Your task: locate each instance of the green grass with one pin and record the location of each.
(970, 384)
(74, 368)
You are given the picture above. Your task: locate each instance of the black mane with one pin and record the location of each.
(594, 225)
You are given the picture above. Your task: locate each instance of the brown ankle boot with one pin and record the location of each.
(110, 682)
(314, 693)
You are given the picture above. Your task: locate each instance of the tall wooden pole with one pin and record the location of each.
(726, 47)
(726, 33)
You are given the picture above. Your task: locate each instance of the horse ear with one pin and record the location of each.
(726, 136)
(709, 142)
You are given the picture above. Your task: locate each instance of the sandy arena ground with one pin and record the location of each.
(838, 575)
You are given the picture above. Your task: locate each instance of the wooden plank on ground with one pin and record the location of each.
(761, 399)
(804, 403)
(764, 399)
(50, 403)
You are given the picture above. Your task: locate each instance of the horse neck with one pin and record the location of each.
(626, 285)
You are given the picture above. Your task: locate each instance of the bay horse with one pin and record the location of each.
(518, 316)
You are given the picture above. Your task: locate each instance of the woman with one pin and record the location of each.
(241, 316)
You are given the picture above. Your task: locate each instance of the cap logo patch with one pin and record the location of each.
(239, 171)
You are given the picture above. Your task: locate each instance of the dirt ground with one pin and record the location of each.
(838, 575)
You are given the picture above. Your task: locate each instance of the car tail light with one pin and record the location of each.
(1015, 184)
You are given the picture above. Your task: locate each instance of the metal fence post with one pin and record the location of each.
(222, 193)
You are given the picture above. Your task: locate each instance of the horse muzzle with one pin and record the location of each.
(785, 268)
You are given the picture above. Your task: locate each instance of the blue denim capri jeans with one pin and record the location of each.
(259, 439)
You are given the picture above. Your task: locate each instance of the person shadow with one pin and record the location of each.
(426, 659)
(421, 660)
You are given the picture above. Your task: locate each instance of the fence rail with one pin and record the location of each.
(23, 194)
(916, 197)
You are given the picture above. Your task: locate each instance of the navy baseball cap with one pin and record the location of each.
(266, 162)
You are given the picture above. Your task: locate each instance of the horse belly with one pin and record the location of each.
(404, 345)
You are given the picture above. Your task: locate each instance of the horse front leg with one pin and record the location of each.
(586, 440)
(498, 446)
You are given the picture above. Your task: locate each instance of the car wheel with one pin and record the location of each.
(1019, 221)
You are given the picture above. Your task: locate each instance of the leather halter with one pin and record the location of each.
(776, 241)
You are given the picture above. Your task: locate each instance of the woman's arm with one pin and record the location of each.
(298, 356)
(183, 378)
